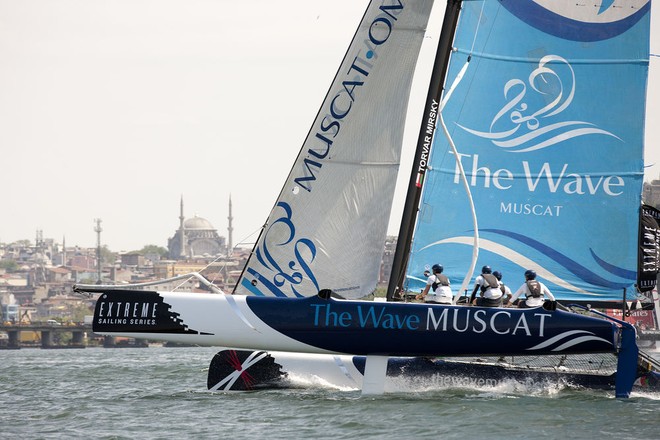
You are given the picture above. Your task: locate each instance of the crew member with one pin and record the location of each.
(437, 289)
(535, 292)
(488, 287)
(506, 292)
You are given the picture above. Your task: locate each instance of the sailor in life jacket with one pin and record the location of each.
(437, 288)
(490, 294)
(535, 292)
(482, 283)
(506, 292)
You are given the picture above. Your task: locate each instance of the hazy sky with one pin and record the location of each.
(114, 109)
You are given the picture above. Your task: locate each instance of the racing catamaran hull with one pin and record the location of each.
(324, 325)
(317, 325)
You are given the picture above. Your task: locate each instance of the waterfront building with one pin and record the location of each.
(651, 193)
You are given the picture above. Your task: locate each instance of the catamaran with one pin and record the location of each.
(529, 156)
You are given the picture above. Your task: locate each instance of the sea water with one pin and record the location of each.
(160, 393)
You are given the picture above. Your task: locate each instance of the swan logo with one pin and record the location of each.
(519, 128)
(579, 21)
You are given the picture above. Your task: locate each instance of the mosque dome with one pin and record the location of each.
(195, 237)
(197, 223)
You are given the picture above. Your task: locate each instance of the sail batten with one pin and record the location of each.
(496, 57)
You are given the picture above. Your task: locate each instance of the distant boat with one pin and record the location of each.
(537, 164)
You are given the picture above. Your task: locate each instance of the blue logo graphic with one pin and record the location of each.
(578, 21)
(527, 128)
(282, 277)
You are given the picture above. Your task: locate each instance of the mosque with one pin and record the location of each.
(196, 237)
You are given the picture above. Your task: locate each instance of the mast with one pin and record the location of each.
(230, 230)
(182, 232)
(413, 196)
(98, 231)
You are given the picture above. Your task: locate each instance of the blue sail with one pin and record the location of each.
(548, 123)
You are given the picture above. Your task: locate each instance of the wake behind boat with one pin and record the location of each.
(534, 166)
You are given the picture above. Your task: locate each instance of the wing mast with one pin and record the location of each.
(424, 141)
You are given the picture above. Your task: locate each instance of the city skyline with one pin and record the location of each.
(114, 110)
(98, 233)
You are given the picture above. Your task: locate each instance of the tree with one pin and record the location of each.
(153, 249)
(8, 265)
(79, 311)
(107, 256)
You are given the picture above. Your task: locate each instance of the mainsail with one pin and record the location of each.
(548, 122)
(327, 228)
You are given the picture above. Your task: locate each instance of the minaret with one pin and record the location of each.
(182, 232)
(63, 251)
(230, 229)
(98, 231)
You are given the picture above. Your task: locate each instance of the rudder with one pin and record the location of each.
(244, 370)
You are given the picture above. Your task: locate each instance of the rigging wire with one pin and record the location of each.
(445, 99)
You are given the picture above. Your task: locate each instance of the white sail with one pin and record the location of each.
(328, 226)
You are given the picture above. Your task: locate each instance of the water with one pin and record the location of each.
(160, 393)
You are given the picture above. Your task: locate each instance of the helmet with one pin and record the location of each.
(498, 275)
(437, 268)
(486, 269)
(530, 274)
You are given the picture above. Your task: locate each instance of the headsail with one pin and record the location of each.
(328, 226)
(548, 121)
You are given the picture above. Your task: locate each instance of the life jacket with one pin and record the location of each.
(440, 280)
(534, 288)
(491, 282)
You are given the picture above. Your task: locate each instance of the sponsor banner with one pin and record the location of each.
(649, 249)
(135, 311)
(639, 318)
